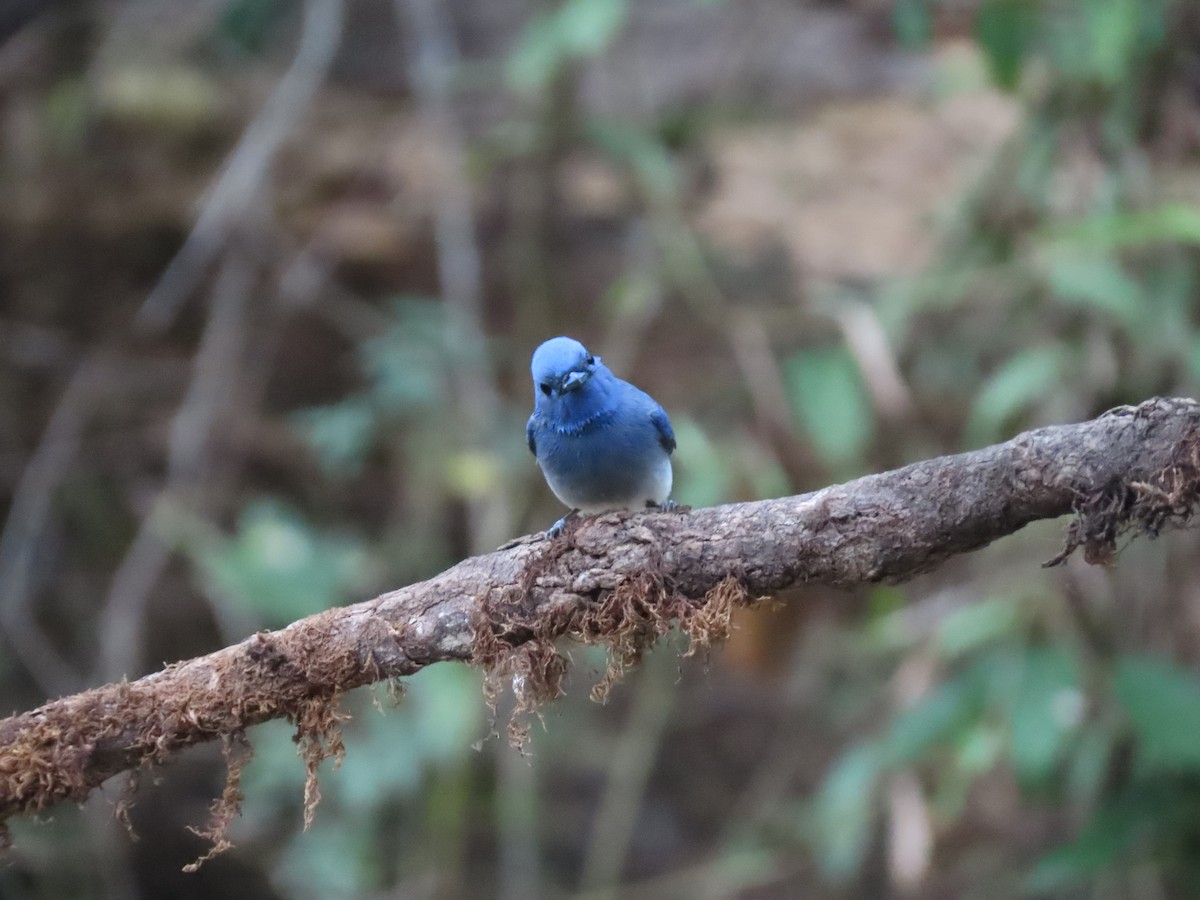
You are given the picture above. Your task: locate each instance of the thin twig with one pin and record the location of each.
(214, 380)
(613, 827)
(239, 185)
(868, 344)
(460, 267)
(28, 516)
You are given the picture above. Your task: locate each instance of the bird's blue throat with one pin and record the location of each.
(576, 423)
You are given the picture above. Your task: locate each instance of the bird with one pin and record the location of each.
(601, 443)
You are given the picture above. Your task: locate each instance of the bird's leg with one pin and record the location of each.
(665, 506)
(557, 528)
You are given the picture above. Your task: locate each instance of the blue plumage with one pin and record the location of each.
(601, 442)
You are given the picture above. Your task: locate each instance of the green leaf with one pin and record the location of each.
(978, 749)
(641, 151)
(537, 55)
(328, 862)
(1163, 705)
(977, 624)
(1045, 712)
(407, 363)
(1088, 763)
(278, 566)
(248, 23)
(339, 434)
(1098, 282)
(831, 403)
(886, 600)
(473, 473)
(432, 728)
(935, 718)
(1006, 30)
(1170, 223)
(1112, 32)
(1101, 843)
(912, 22)
(585, 27)
(577, 29)
(844, 809)
(1012, 388)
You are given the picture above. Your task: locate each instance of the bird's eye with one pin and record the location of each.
(545, 389)
(591, 360)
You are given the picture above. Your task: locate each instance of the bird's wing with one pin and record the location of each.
(530, 427)
(666, 436)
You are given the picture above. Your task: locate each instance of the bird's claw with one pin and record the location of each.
(665, 506)
(557, 528)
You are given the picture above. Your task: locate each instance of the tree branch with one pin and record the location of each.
(621, 578)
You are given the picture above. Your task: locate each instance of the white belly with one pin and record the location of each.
(655, 486)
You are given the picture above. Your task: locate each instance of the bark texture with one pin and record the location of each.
(621, 578)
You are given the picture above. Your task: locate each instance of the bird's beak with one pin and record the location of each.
(574, 381)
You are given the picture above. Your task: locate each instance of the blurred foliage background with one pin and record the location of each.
(270, 275)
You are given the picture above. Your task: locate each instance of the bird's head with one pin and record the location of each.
(561, 366)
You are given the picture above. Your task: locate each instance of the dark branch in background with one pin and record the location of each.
(234, 194)
(621, 579)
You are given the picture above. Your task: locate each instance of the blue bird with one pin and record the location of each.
(601, 442)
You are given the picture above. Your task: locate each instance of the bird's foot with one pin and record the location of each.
(557, 528)
(665, 506)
